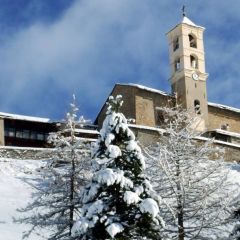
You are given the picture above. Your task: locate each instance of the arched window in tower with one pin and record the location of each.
(197, 107)
(175, 44)
(177, 64)
(193, 61)
(192, 41)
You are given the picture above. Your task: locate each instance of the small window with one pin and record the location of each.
(193, 61)
(46, 135)
(9, 132)
(177, 64)
(192, 41)
(225, 127)
(33, 135)
(175, 44)
(160, 117)
(26, 134)
(40, 136)
(19, 134)
(197, 106)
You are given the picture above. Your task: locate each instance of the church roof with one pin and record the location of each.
(225, 107)
(145, 88)
(186, 20)
(189, 22)
(237, 110)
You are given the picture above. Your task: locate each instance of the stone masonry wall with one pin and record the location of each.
(217, 117)
(1, 132)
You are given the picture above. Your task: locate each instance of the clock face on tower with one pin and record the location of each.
(195, 76)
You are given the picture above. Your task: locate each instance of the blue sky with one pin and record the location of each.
(50, 49)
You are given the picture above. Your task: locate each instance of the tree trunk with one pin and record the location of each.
(72, 186)
(179, 204)
(71, 197)
(180, 224)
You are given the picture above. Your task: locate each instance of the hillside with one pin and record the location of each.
(15, 193)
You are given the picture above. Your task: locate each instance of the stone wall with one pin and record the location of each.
(2, 143)
(146, 103)
(25, 153)
(128, 108)
(147, 137)
(218, 117)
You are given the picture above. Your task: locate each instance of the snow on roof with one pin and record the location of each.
(232, 134)
(224, 107)
(24, 118)
(145, 88)
(219, 142)
(188, 21)
(81, 130)
(25, 148)
(160, 130)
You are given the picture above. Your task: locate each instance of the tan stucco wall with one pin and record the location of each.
(139, 104)
(145, 111)
(217, 117)
(146, 103)
(147, 137)
(2, 132)
(128, 108)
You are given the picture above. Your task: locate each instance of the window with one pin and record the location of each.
(192, 41)
(197, 106)
(19, 134)
(46, 135)
(26, 134)
(177, 64)
(9, 132)
(160, 117)
(175, 44)
(33, 135)
(40, 136)
(193, 61)
(225, 127)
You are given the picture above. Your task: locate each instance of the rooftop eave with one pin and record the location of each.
(188, 22)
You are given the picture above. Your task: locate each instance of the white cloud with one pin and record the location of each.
(92, 46)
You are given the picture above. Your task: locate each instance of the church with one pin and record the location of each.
(188, 79)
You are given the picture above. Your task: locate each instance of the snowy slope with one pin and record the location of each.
(14, 193)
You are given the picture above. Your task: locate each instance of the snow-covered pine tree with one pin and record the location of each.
(56, 201)
(190, 175)
(119, 202)
(236, 231)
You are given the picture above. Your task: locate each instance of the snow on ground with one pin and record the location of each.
(14, 193)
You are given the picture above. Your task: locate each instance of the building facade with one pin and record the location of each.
(143, 104)
(188, 83)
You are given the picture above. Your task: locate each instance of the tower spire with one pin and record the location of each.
(183, 11)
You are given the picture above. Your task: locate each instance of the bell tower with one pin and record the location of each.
(187, 63)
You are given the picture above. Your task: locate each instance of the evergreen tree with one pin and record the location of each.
(56, 201)
(236, 231)
(119, 202)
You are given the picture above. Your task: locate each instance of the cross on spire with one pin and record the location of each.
(183, 11)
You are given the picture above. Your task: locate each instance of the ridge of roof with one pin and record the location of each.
(145, 88)
(24, 117)
(186, 20)
(225, 107)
